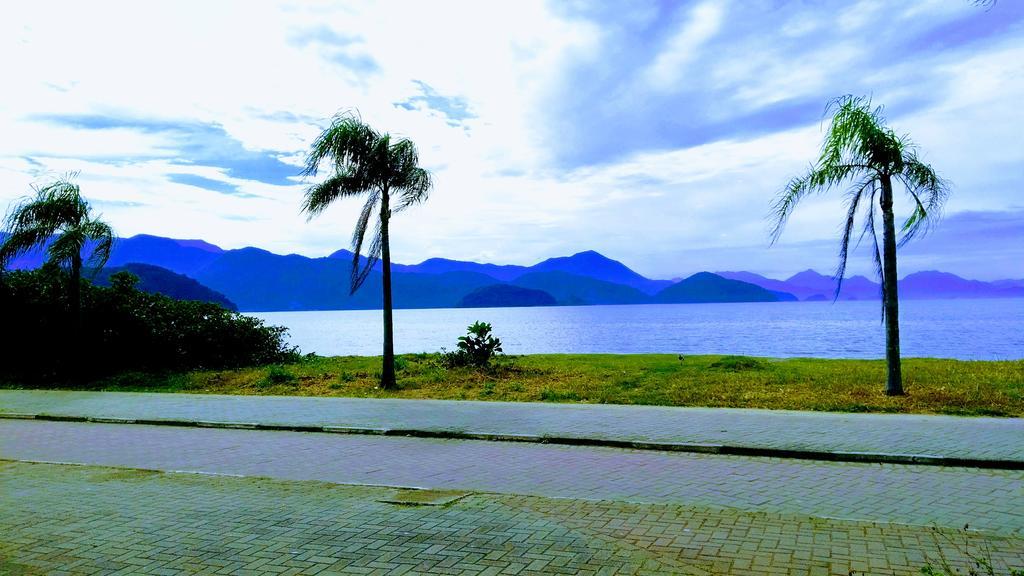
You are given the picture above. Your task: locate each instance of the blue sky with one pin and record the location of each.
(654, 132)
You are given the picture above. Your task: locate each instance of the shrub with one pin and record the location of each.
(738, 364)
(477, 348)
(278, 374)
(401, 364)
(122, 330)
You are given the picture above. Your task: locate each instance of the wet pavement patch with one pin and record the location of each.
(425, 497)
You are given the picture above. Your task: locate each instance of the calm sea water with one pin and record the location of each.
(965, 329)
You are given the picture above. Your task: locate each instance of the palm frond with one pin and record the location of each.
(819, 179)
(359, 236)
(785, 203)
(51, 218)
(66, 246)
(855, 196)
(846, 151)
(45, 211)
(21, 242)
(921, 180)
(359, 276)
(347, 142)
(876, 252)
(857, 136)
(319, 196)
(101, 235)
(415, 188)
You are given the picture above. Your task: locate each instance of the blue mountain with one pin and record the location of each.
(504, 272)
(594, 265)
(256, 279)
(812, 286)
(575, 290)
(705, 287)
(181, 256)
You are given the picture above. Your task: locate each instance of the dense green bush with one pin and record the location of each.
(121, 329)
(476, 348)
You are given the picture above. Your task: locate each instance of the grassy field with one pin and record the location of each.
(933, 385)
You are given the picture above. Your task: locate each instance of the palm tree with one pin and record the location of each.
(367, 163)
(58, 218)
(861, 150)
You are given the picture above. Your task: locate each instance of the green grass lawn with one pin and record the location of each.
(933, 385)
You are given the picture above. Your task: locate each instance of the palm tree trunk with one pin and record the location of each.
(387, 373)
(75, 342)
(890, 296)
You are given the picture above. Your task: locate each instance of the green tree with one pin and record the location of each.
(860, 150)
(366, 163)
(59, 219)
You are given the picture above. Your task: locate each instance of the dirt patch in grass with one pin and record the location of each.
(124, 475)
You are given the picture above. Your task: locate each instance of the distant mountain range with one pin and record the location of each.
(257, 280)
(931, 284)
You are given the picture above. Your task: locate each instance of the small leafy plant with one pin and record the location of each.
(477, 348)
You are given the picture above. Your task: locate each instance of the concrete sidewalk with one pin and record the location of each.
(909, 439)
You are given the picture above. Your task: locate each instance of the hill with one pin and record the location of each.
(505, 295)
(504, 272)
(708, 287)
(157, 280)
(594, 265)
(181, 256)
(935, 284)
(854, 287)
(574, 290)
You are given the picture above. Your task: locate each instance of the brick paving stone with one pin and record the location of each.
(57, 519)
(949, 436)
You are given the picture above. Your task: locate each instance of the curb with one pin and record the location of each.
(693, 448)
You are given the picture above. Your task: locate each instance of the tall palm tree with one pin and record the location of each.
(58, 218)
(860, 150)
(366, 163)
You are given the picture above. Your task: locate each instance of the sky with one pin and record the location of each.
(657, 133)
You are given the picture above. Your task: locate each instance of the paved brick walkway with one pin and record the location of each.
(92, 520)
(991, 500)
(948, 436)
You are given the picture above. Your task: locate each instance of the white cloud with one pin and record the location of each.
(684, 47)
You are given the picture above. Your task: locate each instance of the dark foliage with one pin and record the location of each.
(123, 329)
